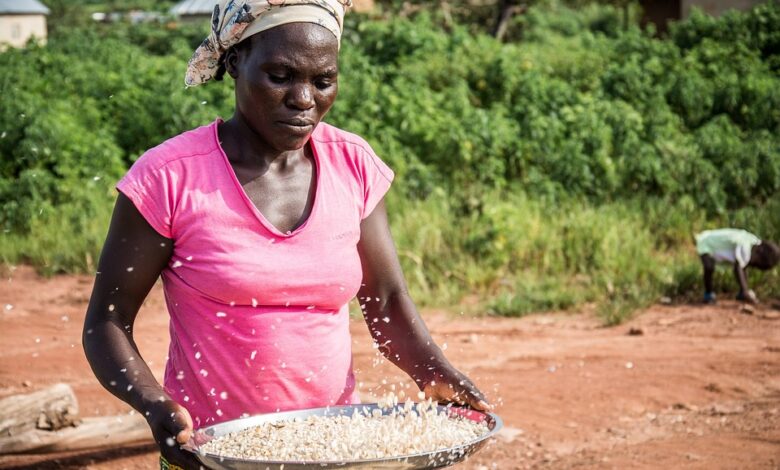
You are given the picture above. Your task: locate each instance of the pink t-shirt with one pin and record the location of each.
(259, 318)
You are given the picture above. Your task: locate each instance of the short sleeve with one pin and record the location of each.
(151, 189)
(742, 254)
(377, 178)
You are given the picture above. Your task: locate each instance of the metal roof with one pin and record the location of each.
(21, 7)
(193, 7)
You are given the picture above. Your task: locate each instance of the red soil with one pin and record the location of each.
(699, 387)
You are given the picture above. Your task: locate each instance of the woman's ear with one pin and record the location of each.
(231, 62)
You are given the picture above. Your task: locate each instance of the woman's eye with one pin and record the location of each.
(323, 84)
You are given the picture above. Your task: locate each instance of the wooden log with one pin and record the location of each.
(52, 408)
(113, 431)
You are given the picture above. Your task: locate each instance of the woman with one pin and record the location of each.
(263, 227)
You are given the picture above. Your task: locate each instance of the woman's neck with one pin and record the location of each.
(245, 147)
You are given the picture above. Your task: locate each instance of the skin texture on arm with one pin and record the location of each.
(133, 256)
(739, 274)
(395, 324)
(744, 290)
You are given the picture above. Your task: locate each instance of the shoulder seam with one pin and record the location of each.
(379, 168)
(362, 147)
(182, 157)
(357, 144)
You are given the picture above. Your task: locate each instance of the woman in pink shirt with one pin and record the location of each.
(262, 227)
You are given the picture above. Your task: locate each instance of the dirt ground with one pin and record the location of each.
(692, 386)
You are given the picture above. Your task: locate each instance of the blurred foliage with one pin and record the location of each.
(108, 6)
(481, 16)
(569, 165)
(70, 14)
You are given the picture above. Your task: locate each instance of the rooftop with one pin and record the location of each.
(21, 7)
(193, 7)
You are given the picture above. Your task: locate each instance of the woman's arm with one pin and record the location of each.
(396, 325)
(133, 256)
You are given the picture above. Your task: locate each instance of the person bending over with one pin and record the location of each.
(740, 248)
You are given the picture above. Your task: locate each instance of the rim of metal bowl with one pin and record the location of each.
(492, 418)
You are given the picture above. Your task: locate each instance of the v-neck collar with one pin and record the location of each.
(251, 205)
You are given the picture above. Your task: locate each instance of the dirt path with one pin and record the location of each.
(698, 388)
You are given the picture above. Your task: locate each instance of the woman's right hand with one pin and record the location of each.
(171, 426)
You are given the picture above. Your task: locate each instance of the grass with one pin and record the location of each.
(521, 255)
(64, 239)
(516, 254)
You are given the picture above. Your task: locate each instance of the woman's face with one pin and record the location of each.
(286, 80)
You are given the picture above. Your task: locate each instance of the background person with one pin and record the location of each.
(740, 248)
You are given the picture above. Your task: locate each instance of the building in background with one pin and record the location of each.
(197, 10)
(661, 12)
(21, 20)
(193, 10)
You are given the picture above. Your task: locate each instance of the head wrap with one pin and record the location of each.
(235, 20)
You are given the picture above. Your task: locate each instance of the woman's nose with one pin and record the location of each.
(300, 96)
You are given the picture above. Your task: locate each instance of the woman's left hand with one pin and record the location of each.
(449, 385)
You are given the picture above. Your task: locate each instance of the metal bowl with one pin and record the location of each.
(434, 459)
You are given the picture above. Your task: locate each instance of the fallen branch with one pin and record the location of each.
(51, 409)
(113, 431)
(48, 421)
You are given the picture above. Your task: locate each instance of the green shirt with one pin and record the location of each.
(729, 245)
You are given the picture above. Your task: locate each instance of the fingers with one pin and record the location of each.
(176, 430)
(183, 418)
(172, 426)
(480, 404)
(177, 423)
(180, 432)
(474, 398)
(461, 392)
(176, 456)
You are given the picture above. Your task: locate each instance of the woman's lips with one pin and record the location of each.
(297, 127)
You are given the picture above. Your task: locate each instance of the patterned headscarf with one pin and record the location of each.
(235, 20)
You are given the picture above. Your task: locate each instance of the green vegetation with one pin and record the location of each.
(570, 165)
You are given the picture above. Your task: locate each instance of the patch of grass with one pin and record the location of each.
(515, 254)
(62, 239)
(535, 296)
(521, 255)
